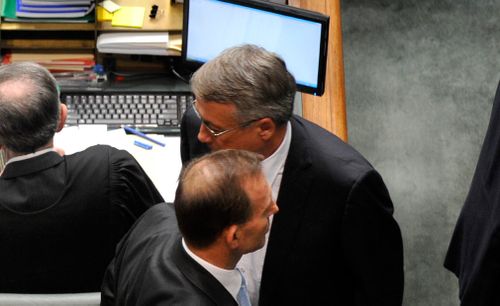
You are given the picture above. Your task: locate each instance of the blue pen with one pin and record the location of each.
(143, 145)
(136, 132)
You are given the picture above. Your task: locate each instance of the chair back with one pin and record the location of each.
(60, 299)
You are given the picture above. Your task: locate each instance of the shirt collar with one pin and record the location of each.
(230, 279)
(28, 156)
(272, 165)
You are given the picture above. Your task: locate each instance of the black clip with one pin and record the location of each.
(154, 10)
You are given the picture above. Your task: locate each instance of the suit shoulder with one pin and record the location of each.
(157, 219)
(325, 151)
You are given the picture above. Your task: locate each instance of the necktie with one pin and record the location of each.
(243, 299)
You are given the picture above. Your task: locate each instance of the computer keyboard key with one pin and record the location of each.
(113, 121)
(153, 113)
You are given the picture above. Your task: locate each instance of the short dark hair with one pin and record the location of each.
(28, 118)
(254, 79)
(210, 196)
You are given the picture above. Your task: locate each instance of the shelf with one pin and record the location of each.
(28, 26)
(47, 44)
(69, 37)
(168, 17)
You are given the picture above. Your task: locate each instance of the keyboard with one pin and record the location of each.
(158, 112)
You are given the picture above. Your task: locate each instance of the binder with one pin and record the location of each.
(52, 11)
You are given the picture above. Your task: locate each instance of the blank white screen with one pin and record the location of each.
(215, 26)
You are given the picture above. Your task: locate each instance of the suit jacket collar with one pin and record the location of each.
(32, 165)
(291, 202)
(200, 277)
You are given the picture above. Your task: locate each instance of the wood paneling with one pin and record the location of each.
(329, 110)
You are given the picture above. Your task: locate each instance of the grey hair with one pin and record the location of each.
(254, 79)
(28, 120)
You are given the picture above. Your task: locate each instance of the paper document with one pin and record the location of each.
(162, 164)
(154, 43)
(109, 5)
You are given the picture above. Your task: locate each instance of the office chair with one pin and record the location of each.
(61, 299)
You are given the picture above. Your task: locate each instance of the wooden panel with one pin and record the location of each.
(329, 110)
(168, 17)
(47, 26)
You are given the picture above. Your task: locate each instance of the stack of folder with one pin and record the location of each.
(64, 10)
(153, 43)
(55, 62)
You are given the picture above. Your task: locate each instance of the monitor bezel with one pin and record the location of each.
(282, 9)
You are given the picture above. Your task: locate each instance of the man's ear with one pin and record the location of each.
(231, 236)
(63, 114)
(267, 128)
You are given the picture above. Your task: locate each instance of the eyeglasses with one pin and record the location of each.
(220, 132)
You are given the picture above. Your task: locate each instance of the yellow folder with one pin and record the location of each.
(128, 16)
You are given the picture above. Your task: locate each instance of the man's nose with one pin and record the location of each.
(204, 135)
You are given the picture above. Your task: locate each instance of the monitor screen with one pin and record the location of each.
(299, 36)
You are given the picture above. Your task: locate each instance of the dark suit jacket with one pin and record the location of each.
(334, 240)
(474, 251)
(152, 268)
(61, 218)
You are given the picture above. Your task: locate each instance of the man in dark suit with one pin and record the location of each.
(474, 251)
(222, 208)
(61, 216)
(335, 241)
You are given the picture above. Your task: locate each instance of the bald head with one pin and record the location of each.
(29, 107)
(211, 197)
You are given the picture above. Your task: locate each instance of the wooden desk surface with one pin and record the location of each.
(168, 17)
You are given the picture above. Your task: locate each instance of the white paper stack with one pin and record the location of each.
(156, 43)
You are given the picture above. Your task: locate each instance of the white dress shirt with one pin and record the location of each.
(230, 279)
(251, 264)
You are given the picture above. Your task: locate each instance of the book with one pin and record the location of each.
(9, 8)
(51, 7)
(63, 68)
(54, 62)
(35, 57)
(70, 62)
(85, 19)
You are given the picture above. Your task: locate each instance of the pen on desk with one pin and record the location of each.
(135, 132)
(143, 145)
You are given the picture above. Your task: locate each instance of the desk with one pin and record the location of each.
(162, 164)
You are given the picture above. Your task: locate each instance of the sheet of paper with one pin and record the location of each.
(162, 164)
(109, 5)
(77, 138)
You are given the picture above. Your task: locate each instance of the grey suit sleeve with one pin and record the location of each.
(373, 244)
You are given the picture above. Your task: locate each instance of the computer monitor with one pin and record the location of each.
(299, 36)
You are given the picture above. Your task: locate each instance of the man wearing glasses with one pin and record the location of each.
(334, 241)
